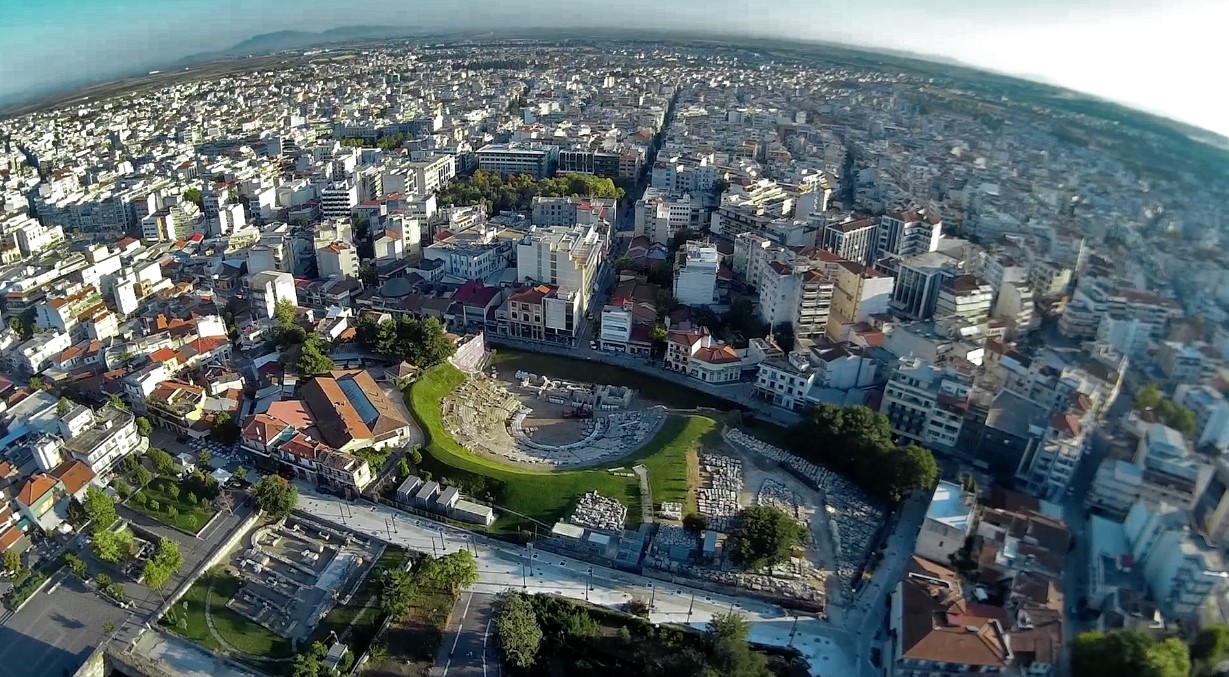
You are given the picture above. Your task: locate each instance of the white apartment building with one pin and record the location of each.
(660, 216)
(35, 354)
(1015, 304)
(695, 276)
(1047, 471)
(568, 257)
(337, 260)
(100, 439)
(926, 404)
(338, 200)
(268, 288)
(536, 160)
(430, 174)
(949, 521)
(1211, 415)
(616, 328)
(964, 299)
(1182, 573)
(796, 294)
(794, 381)
(851, 240)
(906, 234)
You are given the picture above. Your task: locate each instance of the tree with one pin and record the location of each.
(203, 458)
(762, 536)
(63, 406)
(141, 476)
(396, 593)
(403, 468)
(784, 335)
(1211, 645)
(658, 333)
(100, 507)
(729, 653)
(416, 456)
(117, 402)
(517, 627)
(224, 428)
(108, 628)
(314, 358)
(144, 427)
(285, 313)
(76, 565)
(193, 195)
(625, 263)
(163, 463)
(36, 383)
(241, 473)
(275, 496)
(1127, 654)
(912, 467)
(12, 562)
(452, 571)
(165, 561)
(113, 546)
(1148, 397)
(23, 325)
(102, 579)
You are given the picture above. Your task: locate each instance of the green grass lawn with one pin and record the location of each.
(547, 496)
(187, 618)
(189, 518)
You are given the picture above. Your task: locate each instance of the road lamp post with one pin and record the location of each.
(793, 628)
(652, 596)
(691, 606)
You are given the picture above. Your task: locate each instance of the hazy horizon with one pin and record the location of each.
(1134, 52)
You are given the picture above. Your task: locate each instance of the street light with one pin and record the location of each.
(793, 628)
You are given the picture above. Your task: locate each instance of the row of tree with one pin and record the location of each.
(857, 442)
(543, 635)
(516, 192)
(313, 351)
(449, 573)
(423, 343)
(1134, 654)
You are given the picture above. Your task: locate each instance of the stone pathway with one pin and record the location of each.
(646, 494)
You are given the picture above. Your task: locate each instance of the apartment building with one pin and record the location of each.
(337, 260)
(906, 234)
(661, 215)
(1048, 470)
(100, 439)
(697, 354)
(269, 287)
(1134, 316)
(431, 174)
(536, 160)
(795, 294)
(919, 279)
(569, 211)
(36, 354)
(963, 299)
(926, 404)
(1211, 415)
(338, 200)
(800, 379)
(540, 313)
(568, 258)
(695, 274)
(858, 293)
(853, 240)
(1181, 571)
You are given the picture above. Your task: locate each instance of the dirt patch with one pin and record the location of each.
(693, 478)
(409, 645)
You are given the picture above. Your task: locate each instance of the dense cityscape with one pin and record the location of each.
(436, 357)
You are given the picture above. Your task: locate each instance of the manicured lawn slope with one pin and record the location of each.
(547, 496)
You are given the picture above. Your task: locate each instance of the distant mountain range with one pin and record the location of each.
(267, 43)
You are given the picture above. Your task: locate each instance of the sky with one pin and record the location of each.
(1161, 57)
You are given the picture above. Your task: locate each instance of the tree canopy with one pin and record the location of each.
(762, 536)
(1128, 654)
(858, 442)
(163, 463)
(423, 343)
(1179, 418)
(144, 427)
(729, 653)
(165, 561)
(396, 592)
(113, 546)
(314, 357)
(516, 192)
(517, 628)
(224, 428)
(275, 496)
(100, 507)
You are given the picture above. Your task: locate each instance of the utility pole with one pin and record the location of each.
(691, 606)
(652, 596)
(792, 629)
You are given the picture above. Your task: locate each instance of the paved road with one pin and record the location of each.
(469, 648)
(56, 630)
(826, 646)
